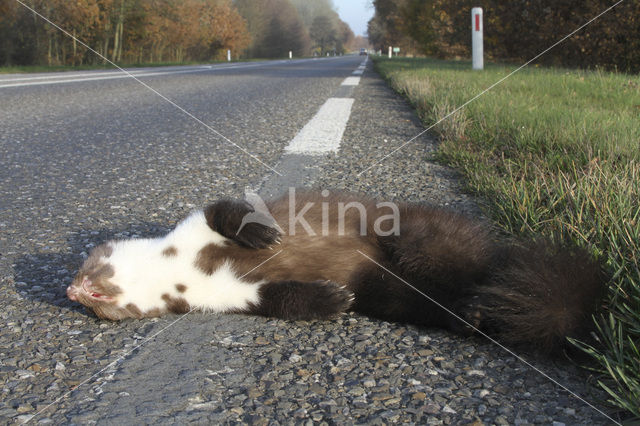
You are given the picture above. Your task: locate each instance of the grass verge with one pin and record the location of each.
(553, 152)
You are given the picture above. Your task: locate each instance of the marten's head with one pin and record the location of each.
(109, 285)
(93, 287)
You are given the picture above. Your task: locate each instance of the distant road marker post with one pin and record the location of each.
(477, 45)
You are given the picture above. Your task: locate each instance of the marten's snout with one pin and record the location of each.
(72, 293)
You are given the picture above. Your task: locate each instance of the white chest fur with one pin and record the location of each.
(147, 270)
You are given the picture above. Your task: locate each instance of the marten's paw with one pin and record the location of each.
(329, 299)
(238, 221)
(256, 235)
(470, 317)
(295, 300)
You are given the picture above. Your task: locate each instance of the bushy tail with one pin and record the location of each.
(539, 294)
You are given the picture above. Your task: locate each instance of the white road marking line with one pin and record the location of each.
(323, 133)
(115, 75)
(67, 75)
(101, 77)
(351, 81)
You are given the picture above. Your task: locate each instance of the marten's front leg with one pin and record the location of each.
(238, 221)
(295, 300)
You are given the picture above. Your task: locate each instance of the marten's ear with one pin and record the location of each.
(93, 292)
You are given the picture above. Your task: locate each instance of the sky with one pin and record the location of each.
(356, 13)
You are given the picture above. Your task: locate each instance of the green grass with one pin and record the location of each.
(553, 152)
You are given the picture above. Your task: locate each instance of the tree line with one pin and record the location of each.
(301, 26)
(151, 31)
(516, 30)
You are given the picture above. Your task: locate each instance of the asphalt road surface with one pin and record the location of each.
(90, 156)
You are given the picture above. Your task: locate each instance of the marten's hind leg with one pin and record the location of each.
(437, 243)
(445, 256)
(381, 292)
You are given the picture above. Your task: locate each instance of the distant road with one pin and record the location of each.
(245, 113)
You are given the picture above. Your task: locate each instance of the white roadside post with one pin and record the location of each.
(477, 47)
(228, 55)
(290, 54)
(390, 52)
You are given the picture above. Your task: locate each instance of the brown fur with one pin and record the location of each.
(102, 251)
(170, 251)
(112, 312)
(559, 305)
(99, 274)
(304, 258)
(177, 305)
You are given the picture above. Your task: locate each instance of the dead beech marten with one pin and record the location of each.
(330, 253)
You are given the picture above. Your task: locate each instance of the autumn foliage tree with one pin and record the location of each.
(320, 17)
(516, 30)
(280, 26)
(323, 33)
(275, 28)
(120, 30)
(137, 31)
